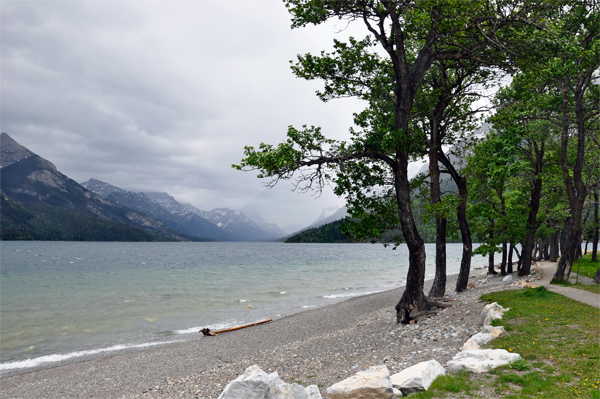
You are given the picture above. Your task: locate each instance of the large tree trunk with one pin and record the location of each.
(554, 247)
(463, 224)
(413, 299)
(491, 255)
(510, 262)
(438, 289)
(564, 235)
(532, 225)
(574, 184)
(503, 263)
(595, 231)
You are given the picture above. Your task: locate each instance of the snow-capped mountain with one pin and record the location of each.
(238, 224)
(185, 222)
(221, 224)
(168, 202)
(101, 188)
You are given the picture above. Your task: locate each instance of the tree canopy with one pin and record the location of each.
(418, 54)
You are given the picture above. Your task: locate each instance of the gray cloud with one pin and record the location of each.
(162, 96)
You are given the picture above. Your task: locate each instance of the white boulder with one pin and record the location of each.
(256, 384)
(418, 377)
(470, 345)
(492, 312)
(313, 392)
(480, 361)
(482, 338)
(494, 331)
(508, 279)
(372, 383)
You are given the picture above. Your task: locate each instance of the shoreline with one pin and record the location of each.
(295, 345)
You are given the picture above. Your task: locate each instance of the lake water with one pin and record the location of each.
(61, 300)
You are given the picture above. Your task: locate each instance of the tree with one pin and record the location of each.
(371, 169)
(525, 110)
(574, 69)
(443, 112)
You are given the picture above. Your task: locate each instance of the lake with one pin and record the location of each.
(61, 300)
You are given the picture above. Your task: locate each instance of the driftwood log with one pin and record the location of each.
(207, 333)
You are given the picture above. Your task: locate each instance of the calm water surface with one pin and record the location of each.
(60, 300)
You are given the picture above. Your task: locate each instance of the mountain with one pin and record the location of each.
(102, 188)
(169, 211)
(329, 216)
(254, 215)
(11, 151)
(41, 202)
(168, 202)
(237, 223)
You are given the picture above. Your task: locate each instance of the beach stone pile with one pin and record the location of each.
(376, 382)
(526, 281)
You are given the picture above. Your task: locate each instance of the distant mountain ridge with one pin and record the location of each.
(39, 202)
(222, 224)
(240, 225)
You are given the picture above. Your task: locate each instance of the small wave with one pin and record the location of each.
(308, 306)
(58, 357)
(282, 292)
(334, 296)
(244, 300)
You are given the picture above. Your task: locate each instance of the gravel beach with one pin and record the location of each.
(319, 346)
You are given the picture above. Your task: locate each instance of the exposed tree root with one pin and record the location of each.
(405, 311)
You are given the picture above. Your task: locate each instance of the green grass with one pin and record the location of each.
(558, 339)
(595, 288)
(586, 266)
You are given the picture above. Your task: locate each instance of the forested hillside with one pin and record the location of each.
(49, 223)
(328, 233)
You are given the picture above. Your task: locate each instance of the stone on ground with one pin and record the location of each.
(480, 361)
(494, 331)
(313, 392)
(256, 384)
(471, 345)
(372, 383)
(482, 338)
(418, 377)
(492, 312)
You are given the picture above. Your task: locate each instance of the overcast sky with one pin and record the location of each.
(163, 96)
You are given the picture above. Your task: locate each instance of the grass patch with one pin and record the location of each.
(595, 288)
(447, 384)
(521, 365)
(558, 339)
(586, 266)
